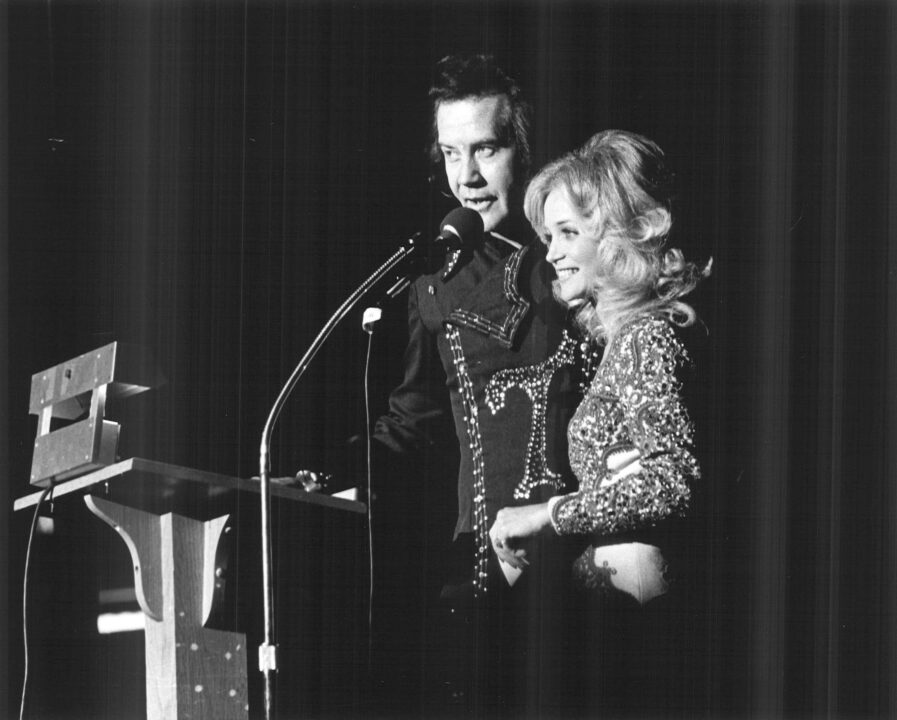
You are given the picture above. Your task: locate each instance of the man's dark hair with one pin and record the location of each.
(459, 77)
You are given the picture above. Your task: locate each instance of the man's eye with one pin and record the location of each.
(486, 151)
(450, 153)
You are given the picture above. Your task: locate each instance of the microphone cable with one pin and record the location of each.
(37, 507)
(371, 316)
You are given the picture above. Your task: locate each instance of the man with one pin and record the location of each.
(486, 335)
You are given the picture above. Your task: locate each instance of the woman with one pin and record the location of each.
(598, 212)
(601, 212)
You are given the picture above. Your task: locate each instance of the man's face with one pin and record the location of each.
(479, 167)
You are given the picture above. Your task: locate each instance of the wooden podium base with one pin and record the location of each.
(191, 671)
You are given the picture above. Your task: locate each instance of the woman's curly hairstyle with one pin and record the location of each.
(619, 184)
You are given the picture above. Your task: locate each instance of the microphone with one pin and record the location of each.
(461, 228)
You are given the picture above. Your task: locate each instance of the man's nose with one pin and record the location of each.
(470, 171)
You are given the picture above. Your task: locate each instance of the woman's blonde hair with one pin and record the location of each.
(617, 181)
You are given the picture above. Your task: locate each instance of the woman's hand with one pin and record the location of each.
(513, 524)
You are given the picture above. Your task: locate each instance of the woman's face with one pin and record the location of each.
(572, 248)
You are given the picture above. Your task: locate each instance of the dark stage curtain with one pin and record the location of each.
(210, 179)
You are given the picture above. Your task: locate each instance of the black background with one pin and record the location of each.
(211, 180)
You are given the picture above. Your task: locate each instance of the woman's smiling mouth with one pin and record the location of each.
(566, 273)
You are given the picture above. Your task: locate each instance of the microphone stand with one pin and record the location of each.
(268, 651)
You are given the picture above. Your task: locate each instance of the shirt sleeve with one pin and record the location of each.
(649, 473)
(419, 407)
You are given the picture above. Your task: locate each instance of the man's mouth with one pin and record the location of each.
(478, 203)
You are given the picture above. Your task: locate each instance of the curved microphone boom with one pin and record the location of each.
(462, 227)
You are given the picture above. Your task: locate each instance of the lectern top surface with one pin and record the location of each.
(166, 479)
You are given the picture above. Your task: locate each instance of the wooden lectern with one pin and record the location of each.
(179, 562)
(174, 521)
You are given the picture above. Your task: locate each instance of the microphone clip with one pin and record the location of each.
(454, 263)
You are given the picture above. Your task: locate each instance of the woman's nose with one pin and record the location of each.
(554, 252)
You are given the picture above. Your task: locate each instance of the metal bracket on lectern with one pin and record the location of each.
(69, 391)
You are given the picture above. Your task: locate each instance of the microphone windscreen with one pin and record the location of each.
(464, 223)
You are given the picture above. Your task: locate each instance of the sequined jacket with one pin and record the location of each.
(631, 438)
(492, 337)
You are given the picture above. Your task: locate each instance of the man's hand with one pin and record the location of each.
(513, 524)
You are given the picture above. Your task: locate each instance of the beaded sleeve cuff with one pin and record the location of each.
(553, 504)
